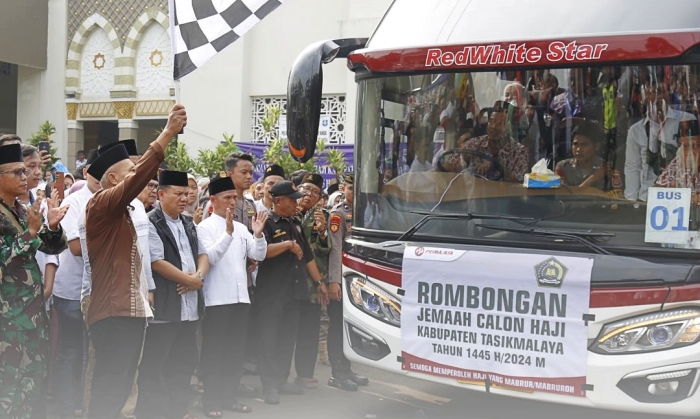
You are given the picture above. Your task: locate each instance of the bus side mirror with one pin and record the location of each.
(304, 90)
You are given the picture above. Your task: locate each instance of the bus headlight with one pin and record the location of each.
(373, 300)
(650, 332)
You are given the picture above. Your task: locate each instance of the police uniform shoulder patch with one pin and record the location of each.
(251, 206)
(334, 223)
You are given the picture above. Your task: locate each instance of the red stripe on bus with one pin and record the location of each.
(600, 297)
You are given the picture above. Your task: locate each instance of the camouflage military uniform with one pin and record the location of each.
(24, 326)
(308, 336)
(320, 246)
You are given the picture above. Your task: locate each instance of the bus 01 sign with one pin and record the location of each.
(668, 215)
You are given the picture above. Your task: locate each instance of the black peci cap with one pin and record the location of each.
(333, 188)
(274, 170)
(285, 188)
(92, 155)
(221, 184)
(172, 178)
(130, 145)
(11, 153)
(107, 159)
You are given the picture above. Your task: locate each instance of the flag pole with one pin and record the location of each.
(177, 100)
(176, 81)
(177, 91)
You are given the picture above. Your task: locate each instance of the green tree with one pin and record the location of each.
(335, 159)
(178, 158)
(206, 163)
(277, 151)
(46, 130)
(209, 161)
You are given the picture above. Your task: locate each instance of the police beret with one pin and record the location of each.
(285, 188)
(274, 170)
(107, 159)
(11, 153)
(172, 178)
(347, 178)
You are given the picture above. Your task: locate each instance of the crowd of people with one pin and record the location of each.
(619, 129)
(161, 287)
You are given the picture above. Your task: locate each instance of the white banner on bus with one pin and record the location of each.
(511, 320)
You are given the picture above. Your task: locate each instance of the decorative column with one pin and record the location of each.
(128, 128)
(76, 135)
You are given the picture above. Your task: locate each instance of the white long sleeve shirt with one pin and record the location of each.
(227, 280)
(69, 276)
(639, 176)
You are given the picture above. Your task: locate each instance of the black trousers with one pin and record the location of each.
(339, 363)
(277, 318)
(306, 352)
(224, 330)
(118, 342)
(251, 350)
(169, 360)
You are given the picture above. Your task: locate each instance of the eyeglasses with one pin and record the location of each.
(18, 172)
(152, 186)
(309, 191)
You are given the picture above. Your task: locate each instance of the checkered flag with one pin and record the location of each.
(202, 28)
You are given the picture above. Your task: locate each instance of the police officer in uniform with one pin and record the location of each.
(339, 226)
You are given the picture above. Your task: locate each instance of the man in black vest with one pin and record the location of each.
(179, 263)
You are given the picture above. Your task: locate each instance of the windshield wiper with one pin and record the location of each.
(582, 237)
(455, 216)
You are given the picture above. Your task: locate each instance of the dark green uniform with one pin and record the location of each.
(24, 326)
(320, 245)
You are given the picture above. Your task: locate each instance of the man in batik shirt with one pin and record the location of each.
(24, 333)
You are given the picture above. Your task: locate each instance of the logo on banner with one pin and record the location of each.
(550, 273)
(419, 251)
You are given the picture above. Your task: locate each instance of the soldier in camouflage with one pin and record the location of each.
(313, 222)
(24, 333)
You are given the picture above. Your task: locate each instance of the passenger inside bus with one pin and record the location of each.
(496, 155)
(462, 142)
(682, 171)
(651, 142)
(586, 167)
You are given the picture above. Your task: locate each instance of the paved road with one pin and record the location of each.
(392, 396)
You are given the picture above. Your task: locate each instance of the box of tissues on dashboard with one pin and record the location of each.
(541, 177)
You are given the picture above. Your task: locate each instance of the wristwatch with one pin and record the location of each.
(201, 277)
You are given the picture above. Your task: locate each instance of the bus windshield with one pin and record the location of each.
(461, 143)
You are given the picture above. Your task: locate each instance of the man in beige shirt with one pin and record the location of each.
(118, 301)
